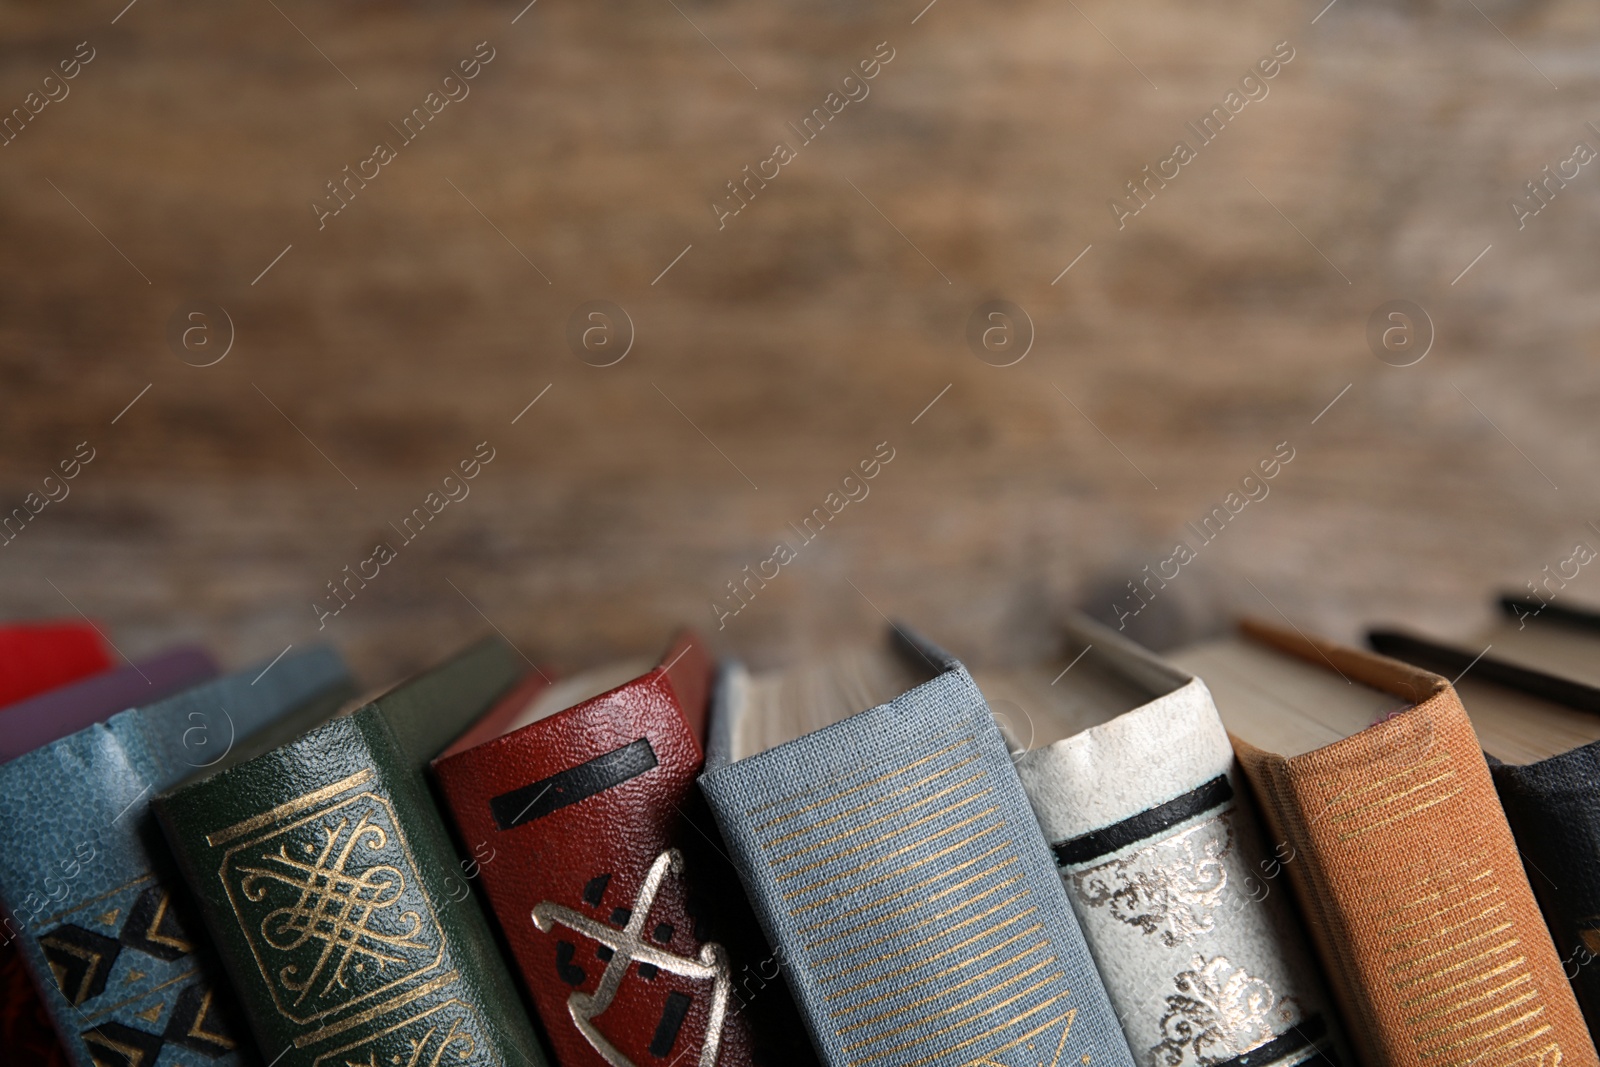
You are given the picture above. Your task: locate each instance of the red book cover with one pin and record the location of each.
(607, 874)
(37, 656)
(34, 658)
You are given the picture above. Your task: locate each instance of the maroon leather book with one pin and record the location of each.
(607, 874)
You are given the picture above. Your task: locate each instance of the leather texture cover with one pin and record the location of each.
(38, 656)
(900, 874)
(52, 715)
(323, 868)
(1160, 852)
(25, 1032)
(103, 917)
(598, 857)
(1412, 884)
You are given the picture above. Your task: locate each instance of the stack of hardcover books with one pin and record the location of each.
(1269, 849)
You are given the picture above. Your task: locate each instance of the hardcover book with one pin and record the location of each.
(38, 656)
(103, 917)
(324, 873)
(25, 1031)
(603, 866)
(1542, 736)
(1158, 845)
(54, 714)
(1405, 868)
(871, 807)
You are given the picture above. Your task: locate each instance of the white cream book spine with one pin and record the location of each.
(1181, 899)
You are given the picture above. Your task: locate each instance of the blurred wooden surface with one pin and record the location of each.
(821, 321)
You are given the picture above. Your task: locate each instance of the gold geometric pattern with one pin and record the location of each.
(332, 907)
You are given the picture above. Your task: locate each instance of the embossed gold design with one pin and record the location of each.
(1220, 1012)
(304, 802)
(202, 1018)
(444, 1035)
(333, 908)
(628, 946)
(153, 932)
(1168, 887)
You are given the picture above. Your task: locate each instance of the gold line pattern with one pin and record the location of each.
(952, 1009)
(923, 862)
(1053, 979)
(901, 930)
(875, 841)
(933, 919)
(876, 802)
(908, 890)
(814, 805)
(1455, 954)
(903, 949)
(283, 811)
(1066, 1017)
(888, 817)
(1483, 977)
(1030, 950)
(901, 851)
(930, 979)
(924, 961)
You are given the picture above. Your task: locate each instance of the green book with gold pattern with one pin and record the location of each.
(330, 887)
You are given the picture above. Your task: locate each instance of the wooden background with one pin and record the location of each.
(1177, 352)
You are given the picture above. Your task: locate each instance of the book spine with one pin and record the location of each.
(25, 1029)
(108, 940)
(324, 875)
(1418, 899)
(1554, 816)
(1179, 900)
(636, 949)
(902, 879)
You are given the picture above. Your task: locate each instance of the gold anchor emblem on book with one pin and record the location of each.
(628, 945)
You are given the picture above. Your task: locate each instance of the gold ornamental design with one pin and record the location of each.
(340, 915)
(1220, 1011)
(1170, 887)
(332, 906)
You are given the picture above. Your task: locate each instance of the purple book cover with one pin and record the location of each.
(52, 715)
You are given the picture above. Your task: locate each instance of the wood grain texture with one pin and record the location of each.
(1217, 324)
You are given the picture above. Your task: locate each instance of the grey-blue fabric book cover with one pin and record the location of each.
(88, 888)
(901, 875)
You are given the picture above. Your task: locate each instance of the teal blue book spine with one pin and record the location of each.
(91, 894)
(899, 871)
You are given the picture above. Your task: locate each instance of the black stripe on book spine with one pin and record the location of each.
(538, 799)
(1097, 843)
(672, 1016)
(1287, 1045)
